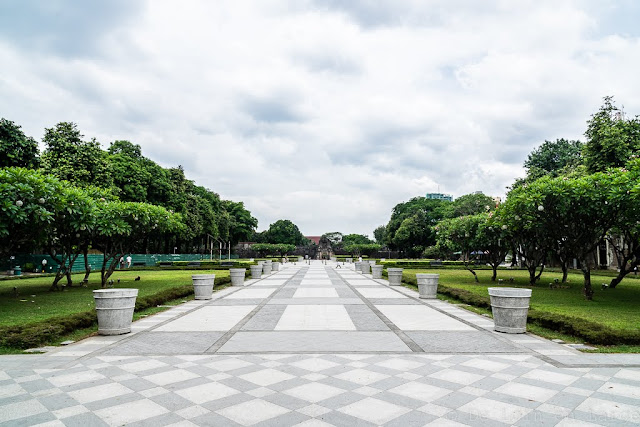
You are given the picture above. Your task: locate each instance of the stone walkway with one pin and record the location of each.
(316, 345)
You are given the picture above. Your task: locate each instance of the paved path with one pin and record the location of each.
(315, 345)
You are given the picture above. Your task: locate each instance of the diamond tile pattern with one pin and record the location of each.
(232, 366)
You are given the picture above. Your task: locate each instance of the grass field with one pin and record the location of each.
(36, 303)
(618, 308)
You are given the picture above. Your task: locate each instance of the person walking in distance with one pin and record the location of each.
(128, 261)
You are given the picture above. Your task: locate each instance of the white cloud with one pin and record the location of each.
(330, 113)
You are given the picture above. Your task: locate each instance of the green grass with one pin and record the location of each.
(36, 303)
(614, 308)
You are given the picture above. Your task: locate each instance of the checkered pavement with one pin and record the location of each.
(315, 347)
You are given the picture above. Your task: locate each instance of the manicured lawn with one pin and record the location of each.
(617, 308)
(35, 302)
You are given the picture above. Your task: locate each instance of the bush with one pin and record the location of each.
(29, 267)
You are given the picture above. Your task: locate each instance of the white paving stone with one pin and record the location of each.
(315, 318)
(252, 412)
(208, 318)
(421, 318)
(374, 410)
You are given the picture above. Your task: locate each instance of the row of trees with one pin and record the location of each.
(75, 196)
(575, 196)
(353, 244)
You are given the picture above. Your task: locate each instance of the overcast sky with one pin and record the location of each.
(327, 113)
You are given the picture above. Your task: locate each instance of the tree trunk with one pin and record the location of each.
(586, 272)
(87, 267)
(59, 273)
(565, 272)
(495, 272)
(475, 276)
(72, 260)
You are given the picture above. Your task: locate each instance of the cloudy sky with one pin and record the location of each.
(327, 113)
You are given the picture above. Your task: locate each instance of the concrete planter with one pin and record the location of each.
(510, 307)
(237, 276)
(256, 271)
(266, 267)
(203, 285)
(365, 267)
(427, 285)
(395, 276)
(376, 271)
(275, 266)
(348, 260)
(114, 308)
(357, 265)
(300, 259)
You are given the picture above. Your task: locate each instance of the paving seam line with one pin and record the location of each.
(216, 296)
(415, 348)
(238, 326)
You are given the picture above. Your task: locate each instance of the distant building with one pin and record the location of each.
(314, 239)
(440, 196)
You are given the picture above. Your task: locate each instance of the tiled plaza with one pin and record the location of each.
(318, 345)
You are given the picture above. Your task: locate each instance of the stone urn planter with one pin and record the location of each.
(203, 285)
(427, 285)
(348, 260)
(300, 259)
(510, 307)
(114, 308)
(395, 276)
(376, 271)
(266, 267)
(365, 267)
(357, 265)
(275, 266)
(256, 271)
(237, 276)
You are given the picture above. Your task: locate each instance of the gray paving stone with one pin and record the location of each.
(461, 342)
(84, 420)
(265, 319)
(412, 419)
(313, 341)
(365, 319)
(289, 419)
(213, 420)
(455, 400)
(343, 420)
(166, 343)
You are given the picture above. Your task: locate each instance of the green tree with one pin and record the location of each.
(624, 237)
(469, 204)
(569, 216)
(241, 223)
(121, 226)
(129, 172)
(357, 249)
(461, 234)
(553, 158)
(69, 158)
(410, 228)
(29, 202)
(284, 231)
(379, 234)
(356, 239)
(17, 149)
(612, 139)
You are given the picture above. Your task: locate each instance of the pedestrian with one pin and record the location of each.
(128, 261)
(44, 264)
(121, 263)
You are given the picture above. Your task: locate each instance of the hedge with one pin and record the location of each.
(46, 331)
(592, 332)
